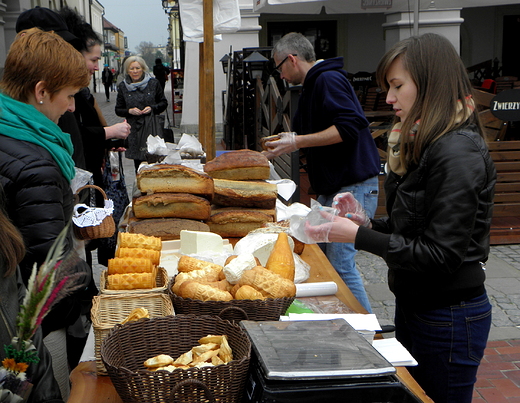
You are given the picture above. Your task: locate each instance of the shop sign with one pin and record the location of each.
(376, 4)
(506, 105)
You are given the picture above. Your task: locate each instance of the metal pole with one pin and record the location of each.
(416, 18)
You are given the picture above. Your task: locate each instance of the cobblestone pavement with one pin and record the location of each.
(503, 267)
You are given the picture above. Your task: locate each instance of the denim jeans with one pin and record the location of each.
(342, 255)
(448, 343)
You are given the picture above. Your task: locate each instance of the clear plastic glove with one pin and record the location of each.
(319, 233)
(347, 206)
(313, 227)
(286, 144)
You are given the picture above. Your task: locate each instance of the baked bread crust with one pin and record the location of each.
(165, 228)
(175, 205)
(239, 165)
(237, 223)
(258, 194)
(169, 178)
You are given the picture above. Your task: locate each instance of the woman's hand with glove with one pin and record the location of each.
(286, 144)
(349, 207)
(339, 229)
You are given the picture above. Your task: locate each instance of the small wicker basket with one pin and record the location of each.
(128, 346)
(105, 229)
(110, 310)
(161, 282)
(234, 310)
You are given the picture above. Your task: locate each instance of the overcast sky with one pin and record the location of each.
(142, 20)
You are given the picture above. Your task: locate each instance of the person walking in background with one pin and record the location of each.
(439, 192)
(107, 78)
(41, 76)
(332, 131)
(161, 72)
(140, 98)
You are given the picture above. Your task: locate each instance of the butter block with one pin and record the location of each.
(197, 242)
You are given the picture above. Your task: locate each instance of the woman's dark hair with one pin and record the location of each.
(81, 29)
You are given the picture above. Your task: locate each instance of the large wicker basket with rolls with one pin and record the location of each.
(234, 310)
(109, 310)
(127, 347)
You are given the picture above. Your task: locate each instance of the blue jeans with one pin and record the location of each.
(342, 255)
(448, 343)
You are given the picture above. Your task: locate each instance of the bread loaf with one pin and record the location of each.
(203, 292)
(215, 209)
(131, 281)
(248, 292)
(176, 205)
(166, 178)
(268, 283)
(153, 255)
(127, 240)
(165, 228)
(238, 165)
(188, 263)
(121, 265)
(237, 223)
(257, 194)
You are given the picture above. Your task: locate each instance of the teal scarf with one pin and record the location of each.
(24, 122)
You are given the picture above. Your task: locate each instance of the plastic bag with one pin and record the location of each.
(226, 18)
(297, 222)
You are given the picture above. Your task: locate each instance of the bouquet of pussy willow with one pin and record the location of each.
(48, 284)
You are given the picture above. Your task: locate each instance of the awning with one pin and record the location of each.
(364, 6)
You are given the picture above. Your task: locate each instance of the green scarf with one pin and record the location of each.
(24, 122)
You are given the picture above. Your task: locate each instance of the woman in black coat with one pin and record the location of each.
(140, 97)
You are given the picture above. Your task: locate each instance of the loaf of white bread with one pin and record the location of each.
(165, 228)
(169, 178)
(238, 165)
(256, 194)
(237, 223)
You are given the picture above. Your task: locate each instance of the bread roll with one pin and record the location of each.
(175, 205)
(188, 263)
(160, 360)
(121, 265)
(127, 240)
(256, 194)
(165, 228)
(203, 292)
(267, 282)
(239, 165)
(153, 255)
(248, 292)
(166, 178)
(131, 281)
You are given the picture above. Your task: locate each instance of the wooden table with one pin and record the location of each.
(87, 387)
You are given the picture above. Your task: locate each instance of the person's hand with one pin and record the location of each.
(118, 131)
(284, 145)
(147, 110)
(135, 111)
(349, 207)
(339, 229)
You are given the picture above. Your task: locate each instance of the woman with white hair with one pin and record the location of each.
(139, 97)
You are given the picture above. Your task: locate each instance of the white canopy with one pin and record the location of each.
(364, 6)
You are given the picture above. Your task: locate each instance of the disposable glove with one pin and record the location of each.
(286, 144)
(347, 206)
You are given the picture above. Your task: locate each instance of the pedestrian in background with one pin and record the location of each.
(439, 192)
(107, 78)
(161, 72)
(140, 99)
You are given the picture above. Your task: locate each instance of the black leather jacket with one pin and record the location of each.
(437, 232)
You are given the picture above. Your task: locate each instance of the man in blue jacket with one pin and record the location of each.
(332, 131)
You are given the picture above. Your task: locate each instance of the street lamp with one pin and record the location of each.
(255, 64)
(225, 63)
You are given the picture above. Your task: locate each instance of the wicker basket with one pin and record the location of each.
(110, 310)
(128, 346)
(161, 282)
(106, 229)
(234, 310)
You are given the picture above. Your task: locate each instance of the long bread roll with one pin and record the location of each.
(270, 284)
(203, 292)
(127, 240)
(121, 265)
(141, 253)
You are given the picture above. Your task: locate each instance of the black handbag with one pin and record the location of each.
(116, 191)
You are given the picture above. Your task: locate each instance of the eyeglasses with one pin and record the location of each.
(277, 68)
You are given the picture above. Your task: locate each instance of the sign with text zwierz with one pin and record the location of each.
(506, 105)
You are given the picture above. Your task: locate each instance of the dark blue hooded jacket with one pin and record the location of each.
(328, 99)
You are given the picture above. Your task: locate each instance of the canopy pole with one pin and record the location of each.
(207, 84)
(416, 18)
